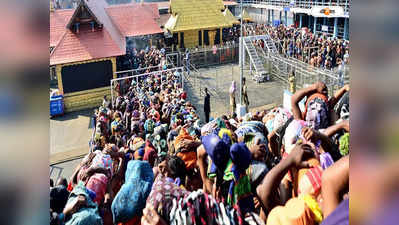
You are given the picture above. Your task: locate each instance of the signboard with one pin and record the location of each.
(324, 28)
(327, 11)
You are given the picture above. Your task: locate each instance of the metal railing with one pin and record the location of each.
(123, 73)
(304, 4)
(140, 77)
(305, 74)
(205, 57)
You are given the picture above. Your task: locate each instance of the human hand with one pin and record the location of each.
(310, 134)
(299, 154)
(320, 87)
(151, 217)
(346, 87)
(74, 206)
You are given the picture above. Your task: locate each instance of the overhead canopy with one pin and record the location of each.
(245, 16)
(195, 15)
(229, 16)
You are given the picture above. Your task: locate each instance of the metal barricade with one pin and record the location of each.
(209, 56)
(141, 77)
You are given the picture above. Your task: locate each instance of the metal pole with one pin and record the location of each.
(112, 95)
(241, 54)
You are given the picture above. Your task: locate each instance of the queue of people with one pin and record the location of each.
(154, 161)
(318, 50)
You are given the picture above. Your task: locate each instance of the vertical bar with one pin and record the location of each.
(346, 36)
(272, 17)
(335, 26)
(314, 24)
(112, 95)
(268, 16)
(286, 18)
(300, 20)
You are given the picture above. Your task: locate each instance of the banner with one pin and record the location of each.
(327, 11)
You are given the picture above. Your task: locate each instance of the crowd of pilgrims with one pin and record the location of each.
(154, 161)
(318, 50)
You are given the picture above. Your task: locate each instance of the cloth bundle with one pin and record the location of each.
(131, 198)
(87, 215)
(199, 208)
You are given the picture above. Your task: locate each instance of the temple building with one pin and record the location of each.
(197, 22)
(86, 41)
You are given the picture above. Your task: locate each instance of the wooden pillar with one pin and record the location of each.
(113, 60)
(221, 36)
(178, 40)
(203, 40)
(59, 78)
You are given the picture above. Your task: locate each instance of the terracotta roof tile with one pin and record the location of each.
(58, 21)
(135, 19)
(86, 45)
(229, 3)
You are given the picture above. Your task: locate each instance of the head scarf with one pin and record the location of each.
(295, 212)
(149, 126)
(98, 184)
(344, 144)
(150, 155)
(87, 214)
(240, 186)
(316, 111)
(233, 87)
(309, 180)
(131, 198)
(293, 134)
(162, 195)
(217, 149)
(137, 143)
(326, 160)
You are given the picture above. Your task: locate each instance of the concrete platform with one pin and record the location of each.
(70, 135)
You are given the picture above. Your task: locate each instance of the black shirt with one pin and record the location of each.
(207, 103)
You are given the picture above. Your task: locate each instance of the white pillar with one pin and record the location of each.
(300, 20)
(314, 24)
(346, 33)
(286, 18)
(268, 16)
(272, 17)
(335, 26)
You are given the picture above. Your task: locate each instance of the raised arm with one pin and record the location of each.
(273, 178)
(338, 95)
(202, 164)
(318, 87)
(330, 131)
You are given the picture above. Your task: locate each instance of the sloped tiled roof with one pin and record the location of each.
(229, 16)
(245, 16)
(58, 21)
(196, 14)
(135, 19)
(85, 45)
(117, 22)
(228, 3)
(98, 7)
